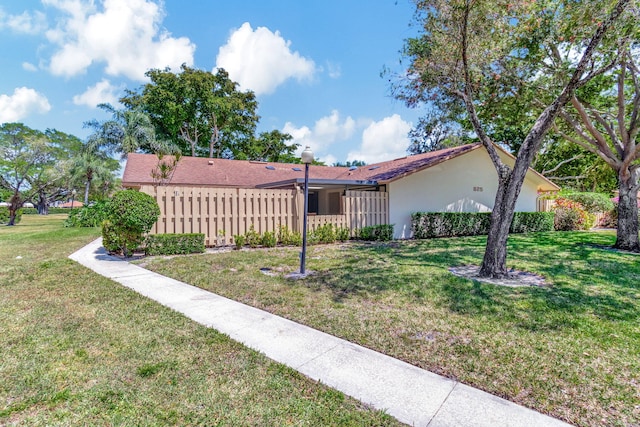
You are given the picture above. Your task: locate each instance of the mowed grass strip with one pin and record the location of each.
(78, 349)
(571, 350)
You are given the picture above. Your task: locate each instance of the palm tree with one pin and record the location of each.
(126, 132)
(90, 165)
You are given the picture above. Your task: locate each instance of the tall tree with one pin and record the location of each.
(25, 154)
(435, 131)
(203, 113)
(267, 147)
(604, 118)
(482, 54)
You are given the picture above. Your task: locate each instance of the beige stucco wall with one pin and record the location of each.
(467, 183)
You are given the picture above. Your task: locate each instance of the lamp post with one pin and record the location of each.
(307, 158)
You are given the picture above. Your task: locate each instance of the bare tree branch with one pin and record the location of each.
(559, 165)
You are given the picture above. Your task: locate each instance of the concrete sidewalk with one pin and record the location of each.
(412, 395)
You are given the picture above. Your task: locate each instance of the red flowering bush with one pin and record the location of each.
(571, 215)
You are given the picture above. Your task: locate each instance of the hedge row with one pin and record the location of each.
(380, 233)
(427, 225)
(173, 244)
(52, 210)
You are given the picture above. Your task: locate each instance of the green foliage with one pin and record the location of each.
(426, 225)
(532, 222)
(323, 234)
(131, 214)
(591, 202)
(87, 216)
(53, 210)
(382, 233)
(203, 113)
(173, 244)
(269, 239)
(571, 216)
(110, 237)
(239, 240)
(252, 237)
(4, 215)
(342, 234)
(287, 237)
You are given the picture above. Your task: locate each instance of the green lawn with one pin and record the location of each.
(78, 349)
(571, 350)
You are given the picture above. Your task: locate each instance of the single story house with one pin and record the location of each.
(459, 179)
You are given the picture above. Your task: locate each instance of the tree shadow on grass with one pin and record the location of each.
(585, 280)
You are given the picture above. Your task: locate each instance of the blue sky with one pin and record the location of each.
(314, 64)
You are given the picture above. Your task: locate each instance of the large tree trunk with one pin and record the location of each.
(494, 263)
(43, 206)
(627, 234)
(15, 203)
(87, 186)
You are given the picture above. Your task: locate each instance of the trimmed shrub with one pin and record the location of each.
(427, 225)
(531, 222)
(380, 233)
(342, 234)
(252, 237)
(269, 239)
(323, 234)
(131, 214)
(174, 244)
(4, 215)
(289, 238)
(110, 238)
(239, 240)
(87, 216)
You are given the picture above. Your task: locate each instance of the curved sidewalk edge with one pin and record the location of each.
(410, 394)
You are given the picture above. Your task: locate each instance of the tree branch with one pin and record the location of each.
(559, 165)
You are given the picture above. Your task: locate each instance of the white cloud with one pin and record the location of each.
(125, 35)
(326, 131)
(261, 60)
(25, 23)
(23, 102)
(28, 66)
(101, 92)
(384, 140)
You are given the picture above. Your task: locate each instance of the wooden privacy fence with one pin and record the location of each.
(221, 213)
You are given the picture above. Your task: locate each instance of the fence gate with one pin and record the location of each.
(365, 208)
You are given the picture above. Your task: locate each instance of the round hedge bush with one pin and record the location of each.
(130, 214)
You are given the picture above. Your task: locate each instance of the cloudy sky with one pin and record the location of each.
(314, 64)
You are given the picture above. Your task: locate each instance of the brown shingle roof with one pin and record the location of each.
(201, 171)
(395, 169)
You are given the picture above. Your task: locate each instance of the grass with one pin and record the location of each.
(79, 349)
(571, 349)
